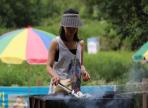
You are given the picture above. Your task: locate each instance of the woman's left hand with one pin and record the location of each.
(85, 76)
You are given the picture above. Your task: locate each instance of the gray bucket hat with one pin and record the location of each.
(71, 20)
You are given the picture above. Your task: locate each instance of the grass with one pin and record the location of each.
(104, 68)
(108, 67)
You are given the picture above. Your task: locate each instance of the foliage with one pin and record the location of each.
(97, 28)
(20, 13)
(118, 24)
(138, 72)
(22, 74)
(57, 7)
(5, 30)
(129, 17)
(104, 67)
(109, 66)
(109, 43)
(115, 19)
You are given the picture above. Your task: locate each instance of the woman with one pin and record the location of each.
(65, 59)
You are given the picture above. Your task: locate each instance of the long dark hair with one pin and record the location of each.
(62, 32)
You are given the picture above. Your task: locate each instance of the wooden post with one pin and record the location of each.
(144, 96)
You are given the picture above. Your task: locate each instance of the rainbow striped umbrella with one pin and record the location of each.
(142, 53)
(27, 44)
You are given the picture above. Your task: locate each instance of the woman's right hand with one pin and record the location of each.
(55, 80)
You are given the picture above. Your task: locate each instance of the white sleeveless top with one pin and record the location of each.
(61, 67)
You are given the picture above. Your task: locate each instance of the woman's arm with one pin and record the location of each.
(85, 74)
(50, 62)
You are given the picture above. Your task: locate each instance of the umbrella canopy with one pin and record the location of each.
(25, 44)
(142, 53)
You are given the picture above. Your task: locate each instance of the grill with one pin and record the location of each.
(60, 101)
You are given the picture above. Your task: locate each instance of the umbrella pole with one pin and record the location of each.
(29, 81)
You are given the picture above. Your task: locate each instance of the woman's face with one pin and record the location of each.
(70, 31)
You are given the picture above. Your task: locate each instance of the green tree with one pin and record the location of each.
(20, 13)
(129, 17)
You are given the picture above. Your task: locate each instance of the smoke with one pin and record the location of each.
(58, 96)
(133, 90)
(120, 102)
(105, 100)
(138, 72)
(108, 100)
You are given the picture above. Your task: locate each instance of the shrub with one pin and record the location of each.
(104, 67)
(109, 66)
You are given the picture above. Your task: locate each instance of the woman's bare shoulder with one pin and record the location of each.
(54, 44)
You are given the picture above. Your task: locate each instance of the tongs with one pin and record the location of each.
(78, 94)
